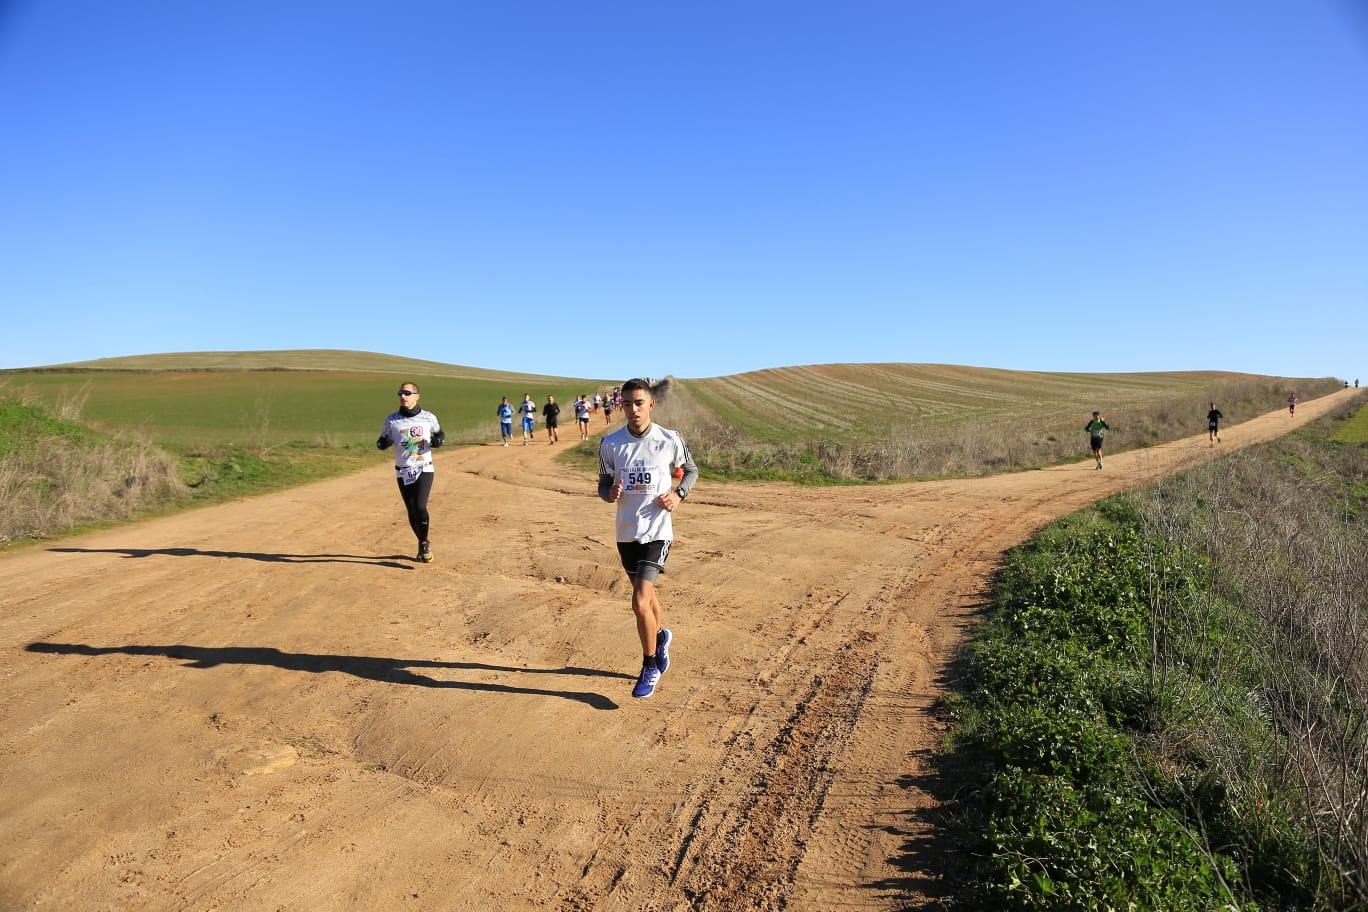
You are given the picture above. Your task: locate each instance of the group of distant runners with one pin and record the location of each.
(645, 469)
(527, 409)
(1098, 427)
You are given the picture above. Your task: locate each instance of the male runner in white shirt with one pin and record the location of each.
(638, 467)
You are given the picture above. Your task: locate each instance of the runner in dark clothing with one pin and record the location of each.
(551, 412)
(1214, 424)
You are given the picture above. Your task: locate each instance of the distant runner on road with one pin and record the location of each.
(582, 415)
(1292, 405)
(1096, 429)
(647, 471)
(505, 421)
(528, 409)
(414, 433)
(1214, 424)
(551, 414)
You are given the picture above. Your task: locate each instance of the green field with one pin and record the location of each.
(189, 402)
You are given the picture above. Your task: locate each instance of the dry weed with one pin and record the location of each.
(1285, 631)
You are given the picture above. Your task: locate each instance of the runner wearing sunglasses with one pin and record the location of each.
(414, 433)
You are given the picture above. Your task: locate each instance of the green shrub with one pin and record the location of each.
(1160, 707)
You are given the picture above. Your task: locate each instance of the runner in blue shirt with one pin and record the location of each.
(528, 410)
(505, 421)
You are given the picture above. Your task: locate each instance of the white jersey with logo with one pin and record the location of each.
(643, 465)
(412, 438)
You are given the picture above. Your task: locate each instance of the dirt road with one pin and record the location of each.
(268, 705)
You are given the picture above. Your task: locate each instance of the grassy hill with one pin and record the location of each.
(882, 421)
(332, 399)
(336, 360)
(841, 399)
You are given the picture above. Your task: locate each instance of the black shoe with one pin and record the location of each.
(425, 552)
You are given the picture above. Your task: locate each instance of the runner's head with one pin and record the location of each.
(637, 403)
(408, 393)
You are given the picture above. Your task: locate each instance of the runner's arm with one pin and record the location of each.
(690, 474)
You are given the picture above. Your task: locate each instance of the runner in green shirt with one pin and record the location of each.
(1096, 428)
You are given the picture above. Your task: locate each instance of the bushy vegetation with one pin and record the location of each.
(1167, 705)
(56, 473)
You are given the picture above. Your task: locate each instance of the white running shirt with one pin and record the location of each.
(412, 438)
(643, 465)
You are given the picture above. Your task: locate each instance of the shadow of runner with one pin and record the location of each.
(931, 855)
(390, 671)
(247, 555)
(922, 857)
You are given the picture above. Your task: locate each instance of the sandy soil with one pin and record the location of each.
(269, 705)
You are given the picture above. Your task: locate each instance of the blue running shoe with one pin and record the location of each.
(663, 649)
(646, 684)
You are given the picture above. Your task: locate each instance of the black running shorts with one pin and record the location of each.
(644, 559)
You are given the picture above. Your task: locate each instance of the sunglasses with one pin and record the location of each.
(408, 392)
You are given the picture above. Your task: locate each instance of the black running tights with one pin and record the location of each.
(415, 501)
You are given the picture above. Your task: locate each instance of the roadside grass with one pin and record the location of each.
(1166, 704)
(1355, 430)
(57, 474)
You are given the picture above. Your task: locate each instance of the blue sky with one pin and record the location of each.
(608, 189)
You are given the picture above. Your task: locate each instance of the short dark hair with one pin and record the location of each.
(412, 384)
(636, 383)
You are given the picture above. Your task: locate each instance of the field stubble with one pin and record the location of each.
(843, 423)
